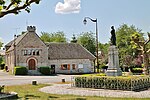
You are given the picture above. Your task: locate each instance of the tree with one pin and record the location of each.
(59, 37)
(45, 37)
(123, 35)
(74, 40)
(142, 45)
(53, 37)
(15, 6)
(1, 44)
(104, 53)
(87, 40)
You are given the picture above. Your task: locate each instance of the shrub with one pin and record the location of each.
(137, 70)
(2, 66)
(100, 74)
(20, 70)
(103, 66)
(45, 70)
(121, 83)
(2, 88)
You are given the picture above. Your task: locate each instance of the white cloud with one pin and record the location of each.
(69, 6)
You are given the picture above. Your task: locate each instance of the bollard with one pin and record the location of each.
(63, 80)
(34, 82)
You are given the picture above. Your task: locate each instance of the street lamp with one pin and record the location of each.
(94, 20)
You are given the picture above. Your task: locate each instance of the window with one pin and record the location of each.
(25, 52)
(65, 67)
(52, 66)
(29, 52)
(80, 66)
(37, 53)
(73, 66)
(33, 52)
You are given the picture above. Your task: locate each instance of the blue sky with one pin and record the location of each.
(69, 15)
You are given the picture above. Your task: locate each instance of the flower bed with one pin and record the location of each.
(133, 83)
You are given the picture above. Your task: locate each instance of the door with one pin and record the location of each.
(52, 69)
(31, 64)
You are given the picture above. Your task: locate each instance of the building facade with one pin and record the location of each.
(30, 51)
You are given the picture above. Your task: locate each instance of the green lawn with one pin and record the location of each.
(31, 92)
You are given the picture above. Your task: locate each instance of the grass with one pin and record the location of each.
(97, 74)
(31, 92)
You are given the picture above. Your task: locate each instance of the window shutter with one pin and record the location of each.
(68, 66)
(73, 66)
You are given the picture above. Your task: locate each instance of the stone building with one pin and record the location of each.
(30, 51)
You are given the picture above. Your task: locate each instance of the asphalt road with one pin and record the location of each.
(6, 79)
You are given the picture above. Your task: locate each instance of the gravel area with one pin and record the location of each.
(67, 89)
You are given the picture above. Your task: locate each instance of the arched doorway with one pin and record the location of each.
(32, 64)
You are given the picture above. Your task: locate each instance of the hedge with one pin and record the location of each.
(116, 83)
(45, 70)
(137, 70)
(20, 70)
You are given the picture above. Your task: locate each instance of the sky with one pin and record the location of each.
(67, 16)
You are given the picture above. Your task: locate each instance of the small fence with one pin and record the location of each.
(115, 83)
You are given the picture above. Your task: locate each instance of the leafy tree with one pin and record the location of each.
(59, 37)
(15, 6)
(104, 52)
(123, 35)
(1, 44)
(103, 47)
(45, 37)
(142, 45)
(1, 60)
(53, 37)
(74, 40)
(87, 40)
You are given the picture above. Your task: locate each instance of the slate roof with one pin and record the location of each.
(58, 50)
(17, 40)
(68, 51)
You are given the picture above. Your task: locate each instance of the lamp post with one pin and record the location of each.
(95, 21)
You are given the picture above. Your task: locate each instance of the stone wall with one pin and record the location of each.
(9, 60)
(87, 65)
(31, 42)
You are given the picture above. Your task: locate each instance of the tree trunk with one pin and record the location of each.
(146, 63)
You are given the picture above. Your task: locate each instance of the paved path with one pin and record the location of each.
(6, 79)
(67, 89)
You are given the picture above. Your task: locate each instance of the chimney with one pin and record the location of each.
(31, 28)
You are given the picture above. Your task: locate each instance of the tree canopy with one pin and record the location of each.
(15, 6)
(123, 35)
(87, 40)
(141, 44)
(53, 37)
(1, 44)
(104, 53)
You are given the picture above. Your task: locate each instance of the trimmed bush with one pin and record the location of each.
(137, 70)
(2, 66)
(104, 67)
(116, 83)
(45, 70)
(2, 88)
(20, 70)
